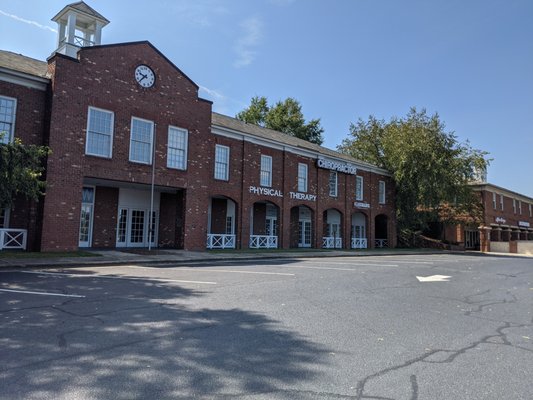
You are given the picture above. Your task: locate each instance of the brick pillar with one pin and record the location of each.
(484, 238)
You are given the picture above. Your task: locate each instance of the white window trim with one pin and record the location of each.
(12, 133)
(530, 210)
(361, 179)
(514, 206)
(112, 132)
(269, 183)
(501, 202)
(335, 192)
(226, 178)
(384, 192)
(494, 200)
(303, 178)
(6, 218)
(520, 207)
(186, 149)
(151, 140)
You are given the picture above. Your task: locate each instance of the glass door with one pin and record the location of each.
(86, 217)
(304, 233)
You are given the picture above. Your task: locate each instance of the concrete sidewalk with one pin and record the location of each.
(177, 257)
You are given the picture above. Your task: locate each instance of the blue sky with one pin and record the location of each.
(469, 60)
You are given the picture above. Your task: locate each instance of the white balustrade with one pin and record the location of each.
(219, 241)
(381, 243)
(330, 242)
(359, 243)
(263, 242)
(13, 238)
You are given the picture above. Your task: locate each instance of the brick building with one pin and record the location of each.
(139, 160)
(507, 223)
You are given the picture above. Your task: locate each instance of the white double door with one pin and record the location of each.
(135, 226)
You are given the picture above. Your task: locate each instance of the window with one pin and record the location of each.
(530, 211)
(494, 200)
(359, 188)
(141, 141)
(520, 207)
(7, 118)
(333, 184)
(302, 177)
(4, 218)
(177, 148)
(221, 162)
(99, 133)
(266, 171)
(514, 206)
(381, 192)
(229, 225)
(501, 202)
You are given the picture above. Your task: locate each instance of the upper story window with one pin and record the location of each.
(514, 206)
(520, 207)
(177, 148)
(99, 133)
(494, 200)
(8, 108)
(302, 177)
(333, 180)
(381, 192)
(530, 210)
(501, 202)
(141, 140)
(266, 171)
(221, 162)
(359, 188)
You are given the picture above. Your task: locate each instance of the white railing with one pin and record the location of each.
(380, 243)
(263, 242)
(219, 241)
(358, 243)
(330, 242)
(78, 41)
(13, 238)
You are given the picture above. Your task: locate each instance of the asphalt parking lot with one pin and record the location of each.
(389, 327)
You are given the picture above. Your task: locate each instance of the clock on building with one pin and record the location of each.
(144, 76)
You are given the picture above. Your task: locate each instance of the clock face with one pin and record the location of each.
(144, 76)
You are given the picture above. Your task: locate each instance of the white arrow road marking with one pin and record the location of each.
(434, 278)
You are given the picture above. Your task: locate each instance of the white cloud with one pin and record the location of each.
(199, 13)
(213, 94)
(27, 21)
(252, 32)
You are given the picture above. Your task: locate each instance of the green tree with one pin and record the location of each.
(284, 116)
(21, 168)
(430, 167)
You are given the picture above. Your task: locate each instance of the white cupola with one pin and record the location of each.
(78, 26)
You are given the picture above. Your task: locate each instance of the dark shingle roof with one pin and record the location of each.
(83, 8)
(236, 125)
(20, 63)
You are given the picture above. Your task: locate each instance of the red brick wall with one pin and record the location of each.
(104, 78)
(105, 217)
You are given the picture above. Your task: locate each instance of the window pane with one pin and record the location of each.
(381, 192)
(177, 148)
(221, 162)
(333, 184)
(302, 177)
(141, 141)
(99, 132)
(359, 188)
(7, 118)
(266, 171)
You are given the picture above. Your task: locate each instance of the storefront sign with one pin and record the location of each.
(337, 166)
(361, 205)
(266, 191)
(302, 196)
(523, 224)
(500, 220)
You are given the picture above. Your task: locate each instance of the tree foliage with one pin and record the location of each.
(21, 168)
(284, 116)
(431, 168)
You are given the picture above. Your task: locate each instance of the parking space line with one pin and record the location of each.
(356, 264)
(217, 270)
(116, 277)
(40, 293)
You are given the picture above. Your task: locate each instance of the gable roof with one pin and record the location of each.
(20, 63)
(83, 8)
(234, 124)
